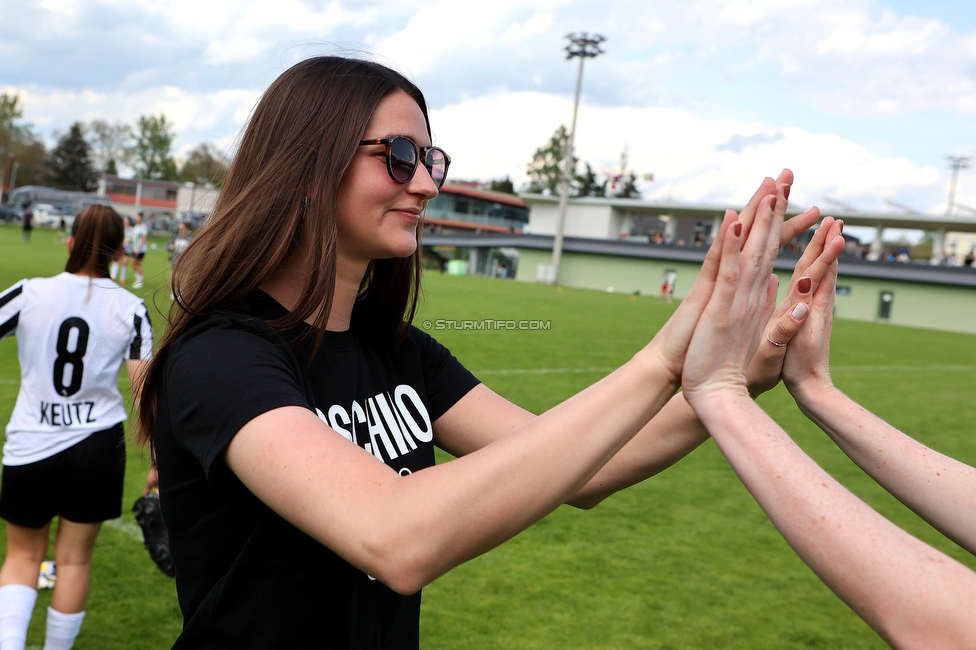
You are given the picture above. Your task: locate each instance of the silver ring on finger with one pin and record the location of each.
(779, 345)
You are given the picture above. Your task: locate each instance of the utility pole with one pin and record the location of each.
(585, 47)
(957, 163)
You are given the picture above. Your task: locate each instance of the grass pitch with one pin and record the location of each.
(684, 560)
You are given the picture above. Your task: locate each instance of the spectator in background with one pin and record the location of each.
(177, 244)
(120, 267)
(667, 285)
(179, 241)
(28, 222)
(140, 233)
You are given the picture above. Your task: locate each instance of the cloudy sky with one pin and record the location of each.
(863, 99)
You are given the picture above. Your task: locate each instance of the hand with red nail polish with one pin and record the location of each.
(729, 330)
(781, 323)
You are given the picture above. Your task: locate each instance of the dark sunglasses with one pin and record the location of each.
(402, 155)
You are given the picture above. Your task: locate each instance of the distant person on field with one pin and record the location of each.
(179, 241)
(28, 222)
(911, 594)
(119, 267)
(64, 454)
(140, 236)
(667, 285)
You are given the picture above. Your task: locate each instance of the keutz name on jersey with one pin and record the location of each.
(386, 425)
(57, 414)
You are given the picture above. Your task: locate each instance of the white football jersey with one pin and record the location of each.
(73, 333)
(140, 232)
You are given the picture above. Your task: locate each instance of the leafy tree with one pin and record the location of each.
(18, 145)
(545, 170)
(9, 111)
(504, 185)
(587, 185)
(152, 149)
(204, 165)
(110, 145)
(628, 187)
(69, 164)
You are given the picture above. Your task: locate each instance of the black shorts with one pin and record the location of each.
(140, 256)
(82, 483)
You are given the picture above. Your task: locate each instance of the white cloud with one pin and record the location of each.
(196, 117)
(685, 152)
(444, 30)
(497, 77)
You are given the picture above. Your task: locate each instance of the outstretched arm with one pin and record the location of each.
(910, 593)
(913, 595)
(938, 488)
(408, 530)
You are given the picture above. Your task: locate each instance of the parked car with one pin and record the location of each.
(46, 214)
(11, 214)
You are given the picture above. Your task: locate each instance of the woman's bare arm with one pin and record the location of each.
(408, 530)
(938, 488)
(911, 594)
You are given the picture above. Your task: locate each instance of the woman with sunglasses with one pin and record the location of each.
(293, 409)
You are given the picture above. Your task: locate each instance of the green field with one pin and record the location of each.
(685, 560)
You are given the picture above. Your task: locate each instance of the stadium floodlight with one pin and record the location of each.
(957, 163)
(582, 46)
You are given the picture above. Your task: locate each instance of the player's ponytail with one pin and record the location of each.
(97, 233)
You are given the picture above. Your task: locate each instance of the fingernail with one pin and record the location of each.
(800, 311)
(737, 229)
(786, 191)
(772, 203)
(803, 286)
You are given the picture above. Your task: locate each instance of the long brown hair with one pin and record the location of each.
(279, 200)
(97, 232)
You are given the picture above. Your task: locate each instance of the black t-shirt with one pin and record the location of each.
(245, 577)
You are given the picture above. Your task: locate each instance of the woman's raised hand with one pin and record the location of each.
(728, 331)
(806, 366)
(817, 261)
(670, 344)
(780, 187)
(734, 238)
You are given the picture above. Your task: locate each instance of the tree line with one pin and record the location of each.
(88, 151)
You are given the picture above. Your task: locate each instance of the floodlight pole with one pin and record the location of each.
(584, 47)
(957, 163)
